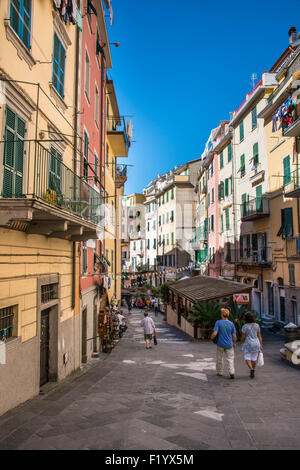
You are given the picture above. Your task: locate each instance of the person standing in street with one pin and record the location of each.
(156, 307)
(226, 342)
(149, 329)
(121, 319)
(251, 342)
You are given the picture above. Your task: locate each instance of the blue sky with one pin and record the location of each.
(182, 67)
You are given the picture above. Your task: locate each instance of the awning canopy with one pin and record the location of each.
(201, 288)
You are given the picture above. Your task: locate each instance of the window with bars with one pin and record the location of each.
(7, 322)
(20, 19)
(49, 292)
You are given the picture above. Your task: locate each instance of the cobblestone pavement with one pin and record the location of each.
(168, 397)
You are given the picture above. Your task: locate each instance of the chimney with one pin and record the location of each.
(292, 34)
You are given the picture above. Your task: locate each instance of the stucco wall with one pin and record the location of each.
(171, 318)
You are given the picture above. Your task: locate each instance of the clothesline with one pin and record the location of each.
(284, 114)
(69, 12)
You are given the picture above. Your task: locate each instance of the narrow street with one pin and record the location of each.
(165, 398)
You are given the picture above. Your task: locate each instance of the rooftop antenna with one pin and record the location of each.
(253, 79)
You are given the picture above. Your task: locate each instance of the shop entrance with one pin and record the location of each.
(44, 346)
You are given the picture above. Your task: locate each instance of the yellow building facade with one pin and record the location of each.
(45, 207)
(118, 140)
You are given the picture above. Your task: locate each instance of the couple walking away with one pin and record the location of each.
(149, 330)
(225, 334)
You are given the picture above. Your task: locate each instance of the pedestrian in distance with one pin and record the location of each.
(251, 342)
(149, 329)
(156, 308)
(225, 332)
(121, 322)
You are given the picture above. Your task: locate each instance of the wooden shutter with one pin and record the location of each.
(227, 219)
(259, 205)
(248, 245)
(254, 117)
(292, 274)
(13, 155)
(241, 131)
(287, 170)
(243, 167)
(255, 154)
(226, 187)
(229, 152)
(241, 246)
(244, 205)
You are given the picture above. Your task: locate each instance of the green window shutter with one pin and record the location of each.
(226, 187)
(154, 243)
(292, 274)
(221, 160)
(230, 184)
(259, 205)
(244, 205)
(255, 154)
(172, 193)
(229, 152)
(212, 168)
(286, 170)
(227, 219)
(288, 222)
(212, 195)
(209, 224)
(212, 223)
(172, 238)
(219, 192)
(243, 166)
(167, 196)
(254, 242)
(13, 155)
(241, 131)
(222, 223)
(254, 117)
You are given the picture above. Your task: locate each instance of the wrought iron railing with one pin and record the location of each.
(32, 171)
(291, 181)
(256, 206)
(261, 255)
(119, 124)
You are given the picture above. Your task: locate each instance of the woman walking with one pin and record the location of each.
(251, 342)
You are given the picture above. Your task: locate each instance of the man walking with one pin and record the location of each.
(149, 328)
(226, 332)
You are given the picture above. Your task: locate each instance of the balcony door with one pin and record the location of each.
(13, 155)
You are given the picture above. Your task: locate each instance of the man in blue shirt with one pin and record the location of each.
(226, 343)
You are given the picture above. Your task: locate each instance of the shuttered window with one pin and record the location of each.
(227, 219)
(229, 153)
(84, 258)
(259, 202)
(286, 170)
(243, 166)
(172, 193)
(292, 274)
(221, 190)
(241, 246)
(242, 131)
(226, 186)
(59, 59)
(244, 205)
(286, 230)
(221, 160)
(55, 171)
(222, 223)
(20, 19)
(254, 117)
(248, 246)
(13, 155)
(212, 223)
(255, 154)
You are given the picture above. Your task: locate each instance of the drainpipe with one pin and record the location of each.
(234, 206)
(75, 158)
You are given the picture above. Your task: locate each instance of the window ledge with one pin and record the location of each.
(22, 50)
(58, 99)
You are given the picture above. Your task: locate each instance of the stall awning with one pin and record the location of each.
(201, 288)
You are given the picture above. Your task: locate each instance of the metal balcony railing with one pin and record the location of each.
(118, 124)
(31, 171)
(291, 184)
(257, 256)
(255, 208)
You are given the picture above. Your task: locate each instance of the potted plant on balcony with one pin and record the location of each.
(204, 315)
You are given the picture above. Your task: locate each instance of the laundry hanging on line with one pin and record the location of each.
(283, 114)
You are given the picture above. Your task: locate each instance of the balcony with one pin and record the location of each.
(258, 257)
(293, 247)
(291, 184)
(257, 208)
(293, 130)
(44, 196)
(119, 135)
(121, 175)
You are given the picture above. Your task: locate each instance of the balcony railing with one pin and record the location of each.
(291, 184)
(41, 175)
(293, 130)
(118, 127)
(121, 171)
(260, 256)
(293, 247)
(256, 208)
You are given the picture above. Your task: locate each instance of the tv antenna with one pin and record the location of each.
(253, 79)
